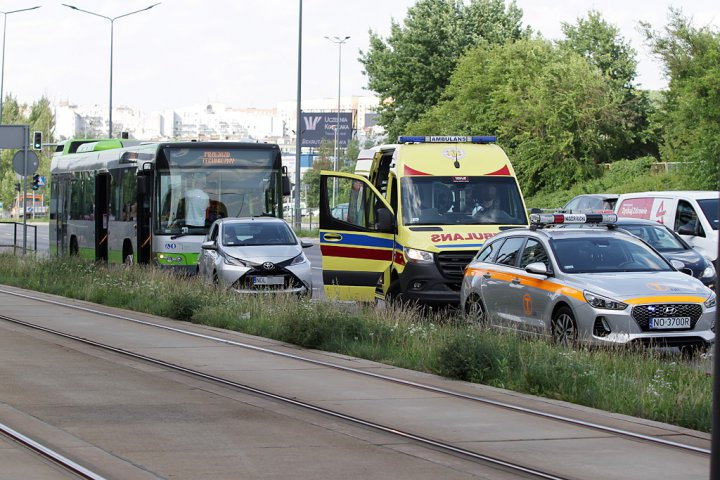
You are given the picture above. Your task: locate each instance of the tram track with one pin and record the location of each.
(48, 453)
(407, 435)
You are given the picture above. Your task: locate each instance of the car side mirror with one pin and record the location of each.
(386, 220)
(210, 245)
(306, 244)
(538, 268)
(285, 185)
(677, 264)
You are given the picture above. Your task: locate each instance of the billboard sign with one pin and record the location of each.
(319, 126)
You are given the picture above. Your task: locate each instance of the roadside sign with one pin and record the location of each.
(42, 182)
(13, 136)
(32, 162)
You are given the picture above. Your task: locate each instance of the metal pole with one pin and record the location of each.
(2, 75)
(298, 130)
(337, 129)
(112, 27)
(24, 200)
(715, 442)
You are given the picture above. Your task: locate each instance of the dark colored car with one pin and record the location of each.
(595, 201)
(671, 246)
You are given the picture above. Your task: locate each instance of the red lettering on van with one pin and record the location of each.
(446, 237)
(636, 208)
(435, 238)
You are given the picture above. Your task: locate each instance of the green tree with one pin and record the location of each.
(40, 117)
(691, 112)
(311, 178)
(410, 70)
(602, 45)
(351, 155)
(554, 113)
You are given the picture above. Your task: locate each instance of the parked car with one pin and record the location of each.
(340, 211)
(601, 286)
(255, 255)
(670, 246)
(596, 202)
(692, 214)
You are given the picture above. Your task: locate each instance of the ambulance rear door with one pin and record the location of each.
(357, 236)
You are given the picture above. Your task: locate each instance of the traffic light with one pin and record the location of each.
(36, 182)
(17, 187)
(37, 140)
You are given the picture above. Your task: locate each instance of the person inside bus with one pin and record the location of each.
(195, 203)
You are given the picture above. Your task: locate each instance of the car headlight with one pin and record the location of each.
(419, 256)
(711, 301)
(299, 259)
(598, 301)
(228, 260)
(709, 271)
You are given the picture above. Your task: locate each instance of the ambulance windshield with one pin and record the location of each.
(461, 201)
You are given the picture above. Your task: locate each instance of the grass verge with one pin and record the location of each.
(638, 383)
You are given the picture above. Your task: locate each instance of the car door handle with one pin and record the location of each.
(487, 276)
(332, 237)
(515, 281)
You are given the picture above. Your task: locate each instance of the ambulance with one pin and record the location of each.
(415, 218)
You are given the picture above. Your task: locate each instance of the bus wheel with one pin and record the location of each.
(74, 249)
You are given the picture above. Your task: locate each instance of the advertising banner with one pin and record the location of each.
(319, 126)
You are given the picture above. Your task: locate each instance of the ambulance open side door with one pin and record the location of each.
(357, 236)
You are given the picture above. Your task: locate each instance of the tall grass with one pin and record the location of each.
(639, 383)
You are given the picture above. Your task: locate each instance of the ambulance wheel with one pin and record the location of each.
(394, 294)
(474, 311)
(564, 327)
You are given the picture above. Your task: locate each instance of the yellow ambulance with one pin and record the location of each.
(408, 229)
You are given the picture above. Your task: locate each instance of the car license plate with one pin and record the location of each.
(669, 322)
(268, 280)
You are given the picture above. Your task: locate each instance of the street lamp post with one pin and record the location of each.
(2, 75)
(339, 41)
(112, 25)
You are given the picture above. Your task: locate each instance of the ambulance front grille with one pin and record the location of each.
(452, 264)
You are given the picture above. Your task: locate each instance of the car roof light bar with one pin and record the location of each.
(448, 139)
(565, 218)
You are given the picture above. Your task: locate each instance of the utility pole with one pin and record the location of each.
(298, 129)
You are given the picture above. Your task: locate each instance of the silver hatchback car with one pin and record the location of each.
(255, 255)
(600, 286)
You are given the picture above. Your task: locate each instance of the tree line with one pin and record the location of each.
(559, 108)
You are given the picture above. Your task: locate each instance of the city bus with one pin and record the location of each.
(124, 201)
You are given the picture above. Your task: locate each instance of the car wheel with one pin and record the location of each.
(564, 327)
(474, 311)
(394, 294)
(216, 279)
(689, 352)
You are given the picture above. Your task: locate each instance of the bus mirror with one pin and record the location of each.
(386, 220)
(285, 185)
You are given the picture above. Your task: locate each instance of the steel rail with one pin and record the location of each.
(429, 388)
(48, 453)
(479, 457)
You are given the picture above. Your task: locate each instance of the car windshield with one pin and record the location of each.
(710, 209)
(461, 200)
(256, 234)
(599, 254)
(659, 237)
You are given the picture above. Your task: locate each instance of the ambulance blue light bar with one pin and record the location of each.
(448, 139)
(565, 218)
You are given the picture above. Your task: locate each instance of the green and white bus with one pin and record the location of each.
(125, 201)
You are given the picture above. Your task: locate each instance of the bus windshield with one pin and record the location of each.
(203, 185)
(461, 200)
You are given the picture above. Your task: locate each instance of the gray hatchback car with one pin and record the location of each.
(600, 286)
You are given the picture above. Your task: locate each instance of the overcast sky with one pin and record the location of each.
(244, 52)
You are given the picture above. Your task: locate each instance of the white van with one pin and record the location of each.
(692, 214)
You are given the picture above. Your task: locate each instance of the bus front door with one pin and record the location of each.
(144, 216)
(102, 215)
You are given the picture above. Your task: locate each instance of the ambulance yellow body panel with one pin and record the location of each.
(410, 227)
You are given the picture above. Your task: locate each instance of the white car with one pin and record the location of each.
(255, 255)
(692, 214)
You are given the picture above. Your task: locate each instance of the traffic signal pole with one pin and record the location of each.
(24, 199)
